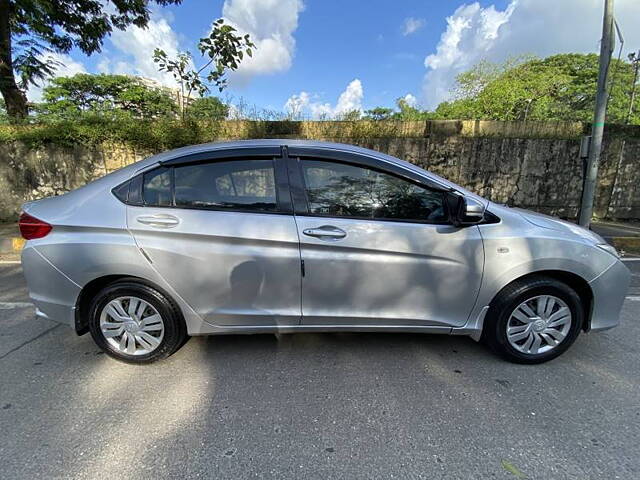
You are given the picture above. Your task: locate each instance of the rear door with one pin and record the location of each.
(377, 249)
(221, 232)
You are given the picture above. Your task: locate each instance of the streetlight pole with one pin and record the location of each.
(597, 129)
(635, 61)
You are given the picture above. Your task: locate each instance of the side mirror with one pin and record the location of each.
(464, 210)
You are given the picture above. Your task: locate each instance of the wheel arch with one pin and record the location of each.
(90, 290)
(573, 280)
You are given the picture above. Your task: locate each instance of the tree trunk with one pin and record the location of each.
(14, 99)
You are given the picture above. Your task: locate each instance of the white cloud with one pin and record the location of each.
(104, 65)
(349, 100)
(271, 24)
(540, 27)
(412, 25)
(66, 67)
(296, 104)
(411, 100)
(136, 47)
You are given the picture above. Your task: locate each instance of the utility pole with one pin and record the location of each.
(635, 61)
(597, 129)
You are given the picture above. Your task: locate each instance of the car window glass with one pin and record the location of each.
(236, 184)
(156, 188)
(337, 189)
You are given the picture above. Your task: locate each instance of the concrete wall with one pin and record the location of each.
(531, 165)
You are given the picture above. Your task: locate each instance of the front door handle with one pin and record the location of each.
(160, 220)
(325, 232)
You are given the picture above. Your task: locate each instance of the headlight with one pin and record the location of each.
(608, 248)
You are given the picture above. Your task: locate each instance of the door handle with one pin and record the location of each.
(161, 220)
(325, 232)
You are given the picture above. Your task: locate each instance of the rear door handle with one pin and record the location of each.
(160, 220)
(325, 232)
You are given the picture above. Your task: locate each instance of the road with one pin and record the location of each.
(315, 406)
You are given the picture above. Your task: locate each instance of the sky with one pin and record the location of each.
(322, 58)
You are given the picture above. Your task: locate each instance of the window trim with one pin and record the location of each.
(302, 209)
(283, 198)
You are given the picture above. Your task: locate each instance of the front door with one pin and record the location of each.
(377, 250)
(219, 234)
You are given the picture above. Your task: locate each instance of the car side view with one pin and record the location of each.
(270, 236)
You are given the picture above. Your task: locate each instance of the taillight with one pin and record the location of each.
(31, 227)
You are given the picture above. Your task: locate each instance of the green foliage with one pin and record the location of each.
(409, 113)
(378, 113)
(224, 49)
(404, 112)
(207, 108)
(350, 116)
(31, 29)
(560, 87)
(109, 95)
(90, 128)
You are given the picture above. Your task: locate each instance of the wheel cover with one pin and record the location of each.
(131, 326)
(539, 324)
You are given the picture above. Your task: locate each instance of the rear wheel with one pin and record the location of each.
(135, 323)
(533, 320)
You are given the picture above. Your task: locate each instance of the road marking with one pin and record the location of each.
(12, 305)
(10, 262)
(630, 259)
(634, 298)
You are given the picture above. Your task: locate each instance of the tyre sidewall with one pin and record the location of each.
(504, 307)
(172, 332)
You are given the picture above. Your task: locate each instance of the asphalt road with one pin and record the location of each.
(315, 406)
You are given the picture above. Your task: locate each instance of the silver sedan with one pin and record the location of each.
(298, 236)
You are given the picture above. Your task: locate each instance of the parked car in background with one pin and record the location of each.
(290, 236)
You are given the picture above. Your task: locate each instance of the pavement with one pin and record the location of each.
(624, 236)
(313, 406)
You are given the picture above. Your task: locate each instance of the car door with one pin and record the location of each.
(377, 249)
(221, 232)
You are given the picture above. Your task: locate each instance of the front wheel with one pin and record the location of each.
(135, 323)
(533, 320)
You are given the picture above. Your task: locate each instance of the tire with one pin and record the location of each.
(128, 308)
(554, 299)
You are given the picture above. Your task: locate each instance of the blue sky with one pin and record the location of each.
(310, 52)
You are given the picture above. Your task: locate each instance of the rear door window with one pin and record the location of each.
(245, 185)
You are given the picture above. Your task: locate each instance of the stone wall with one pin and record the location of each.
(531, 165)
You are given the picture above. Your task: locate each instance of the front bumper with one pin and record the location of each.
(609, 291)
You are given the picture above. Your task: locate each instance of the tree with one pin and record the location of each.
(349, 116)
(29, 29)
(560, 87)
(207, 108)
(225, 50)
(69, 96)
(3, 112)
(407, 112)
(378, 113)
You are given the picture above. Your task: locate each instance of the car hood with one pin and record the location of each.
(552, 223)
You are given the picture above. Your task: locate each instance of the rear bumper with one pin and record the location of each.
(51, 291)
(609, 291)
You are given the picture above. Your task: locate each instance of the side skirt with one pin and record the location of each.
(239, 330)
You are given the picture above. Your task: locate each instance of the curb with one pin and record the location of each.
(11, 245)
(626, 244)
